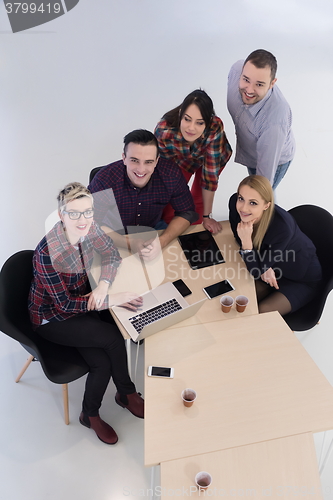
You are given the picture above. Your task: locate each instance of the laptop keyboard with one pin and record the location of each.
(155, 313)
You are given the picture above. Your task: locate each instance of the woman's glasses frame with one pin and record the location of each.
(87, 214)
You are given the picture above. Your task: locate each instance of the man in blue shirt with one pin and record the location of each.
(139, 186)
(262, 117)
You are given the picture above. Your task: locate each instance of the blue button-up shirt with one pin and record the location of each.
(264, 136)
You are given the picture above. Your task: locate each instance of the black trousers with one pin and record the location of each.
(101, 344)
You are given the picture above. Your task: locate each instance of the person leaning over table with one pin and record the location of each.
(193, 137)
(282, 259)
(142, 184)
(64, 310)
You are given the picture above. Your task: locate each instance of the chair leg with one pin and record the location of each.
(65, 397)
(129, 360)
(24, 368)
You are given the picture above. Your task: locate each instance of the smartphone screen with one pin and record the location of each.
(218, 289)
(160, 371)
(182, 288)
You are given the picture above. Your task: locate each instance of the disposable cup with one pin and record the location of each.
(188, 397)
(203, 480)
(226, 303)
(241, 303)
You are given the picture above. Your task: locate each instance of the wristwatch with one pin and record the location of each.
(243, 252)
(209, 216)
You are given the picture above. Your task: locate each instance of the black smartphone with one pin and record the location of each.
(218, 289)
(182, 288)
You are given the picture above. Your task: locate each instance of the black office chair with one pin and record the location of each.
(93, 173)
(61, 364)
(317, 224)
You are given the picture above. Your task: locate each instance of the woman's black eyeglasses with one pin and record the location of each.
(88, 214)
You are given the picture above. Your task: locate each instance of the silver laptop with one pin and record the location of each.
(162, 307)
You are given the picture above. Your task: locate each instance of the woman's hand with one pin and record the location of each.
(211, 225)
(270, 278)
(129, 300)
(244, 231)
(97, 296)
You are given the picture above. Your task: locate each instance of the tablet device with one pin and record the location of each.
(200, 249)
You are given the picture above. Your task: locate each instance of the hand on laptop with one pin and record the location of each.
(129, 300)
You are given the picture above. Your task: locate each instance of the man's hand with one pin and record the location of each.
(150, 249)
(270, 278)
(211, 225)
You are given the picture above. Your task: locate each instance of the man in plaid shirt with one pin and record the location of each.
(142, 184)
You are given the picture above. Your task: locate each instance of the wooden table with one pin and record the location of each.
(255, 382)
(280, 468)
(138, 276)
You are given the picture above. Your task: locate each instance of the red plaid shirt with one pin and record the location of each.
(211, 151)
(60, 273)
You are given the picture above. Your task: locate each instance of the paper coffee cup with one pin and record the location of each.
(203, 480)
(241, 303)
(188, 397)
(226, 303)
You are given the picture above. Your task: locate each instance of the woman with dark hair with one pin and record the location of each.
(193, 137)
(65, 310)
(282, 259)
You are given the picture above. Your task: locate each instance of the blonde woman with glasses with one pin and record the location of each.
(65, 310)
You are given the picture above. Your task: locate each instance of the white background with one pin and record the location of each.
(71, 89)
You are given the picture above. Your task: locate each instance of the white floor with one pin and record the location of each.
(43, 459)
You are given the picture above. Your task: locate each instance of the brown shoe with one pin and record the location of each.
(133, 402)
(103, 430)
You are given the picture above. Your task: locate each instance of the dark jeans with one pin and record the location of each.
(102, 346)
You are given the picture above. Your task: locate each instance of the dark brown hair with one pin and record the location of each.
(261, 58)
(200, 99)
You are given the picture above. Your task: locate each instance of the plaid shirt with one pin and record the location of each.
(60, 273)
(211, 151)
(117, 203)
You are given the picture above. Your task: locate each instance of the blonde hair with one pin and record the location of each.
(264, 189)
(72, 191)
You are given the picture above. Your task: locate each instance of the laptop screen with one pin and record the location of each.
(200, 249)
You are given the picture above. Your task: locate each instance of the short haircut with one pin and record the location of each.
(72, 191)
(261, 58)
(198, 97)
(142, 137)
